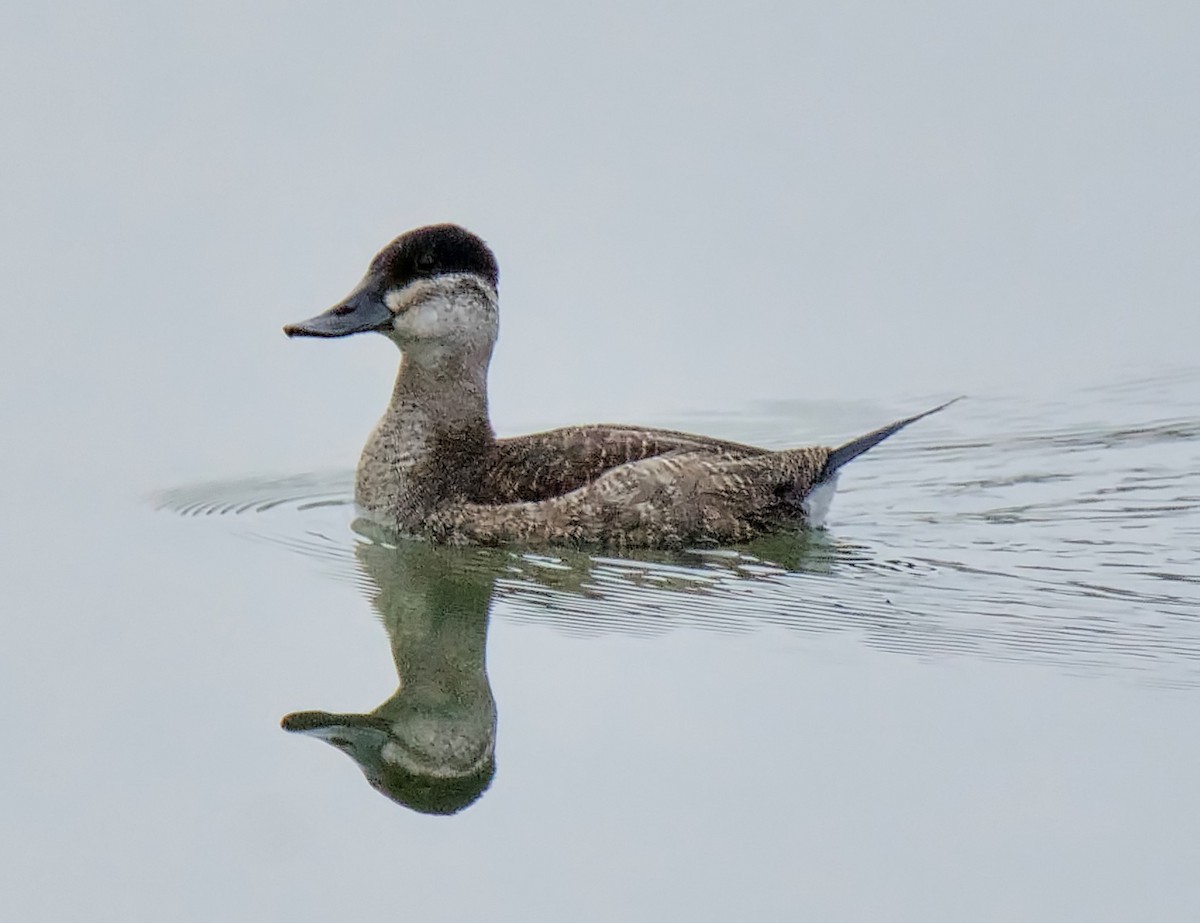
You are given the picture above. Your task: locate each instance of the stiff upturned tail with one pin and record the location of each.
(855, 447)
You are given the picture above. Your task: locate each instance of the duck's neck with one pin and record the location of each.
(445, 388)
(430, 440)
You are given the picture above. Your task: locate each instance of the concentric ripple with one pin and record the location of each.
(1066, 531)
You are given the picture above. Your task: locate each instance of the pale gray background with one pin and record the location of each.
(720, 202)
(695, 207)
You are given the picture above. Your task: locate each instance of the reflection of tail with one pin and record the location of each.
(855, 447)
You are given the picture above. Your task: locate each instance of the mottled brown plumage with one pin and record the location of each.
(434, 468)
(544, 465)
(642, 493)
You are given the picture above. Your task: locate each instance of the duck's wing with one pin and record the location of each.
(553, 463)
(620, 485)
(680, 497)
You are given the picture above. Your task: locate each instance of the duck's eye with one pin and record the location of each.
(425, 262)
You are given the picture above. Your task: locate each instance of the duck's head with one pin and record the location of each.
(423, 771)
(433, 287)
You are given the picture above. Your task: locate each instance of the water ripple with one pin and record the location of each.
(1065, 532)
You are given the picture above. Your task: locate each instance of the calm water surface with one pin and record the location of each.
(1003, 530)
(973, 697)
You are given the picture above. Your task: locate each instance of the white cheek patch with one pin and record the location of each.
(439, 300)
(442, 310)
(399, 300)
(436, 316)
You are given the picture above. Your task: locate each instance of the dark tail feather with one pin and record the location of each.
(855, 447)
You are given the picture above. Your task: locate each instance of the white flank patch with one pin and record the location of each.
(816, 504)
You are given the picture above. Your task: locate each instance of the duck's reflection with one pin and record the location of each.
(431, 745)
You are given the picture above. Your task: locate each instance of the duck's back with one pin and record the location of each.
(549, 464)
